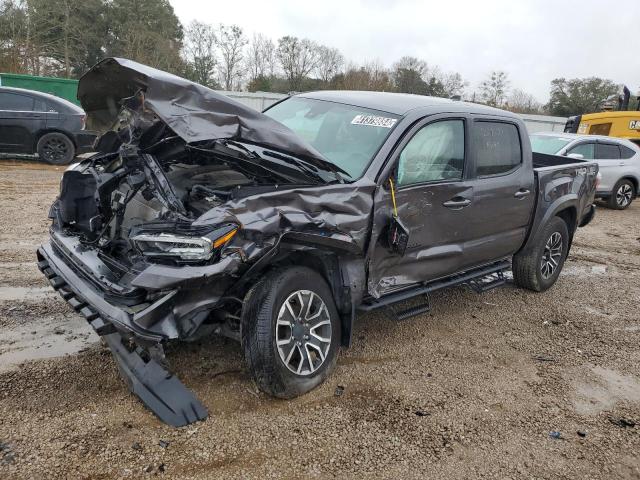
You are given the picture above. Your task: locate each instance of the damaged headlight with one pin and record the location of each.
(183, 247)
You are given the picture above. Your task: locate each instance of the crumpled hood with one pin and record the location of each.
(192, 111)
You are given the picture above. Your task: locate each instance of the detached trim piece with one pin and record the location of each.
(158, 389)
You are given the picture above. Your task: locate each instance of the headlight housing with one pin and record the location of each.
(183, 247)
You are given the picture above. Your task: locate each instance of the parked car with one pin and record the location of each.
(201, 215)
(619, 162)
(35, 122)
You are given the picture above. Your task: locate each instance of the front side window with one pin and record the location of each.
(497, 147)
(15, 102)
(587, 150)
(434, 154)
(346, 135)
(605, 151)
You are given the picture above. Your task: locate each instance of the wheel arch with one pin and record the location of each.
(41, 133)
(341, 268)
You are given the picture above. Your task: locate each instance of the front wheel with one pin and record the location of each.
(622, 195)
(539, 268)
(290, 331)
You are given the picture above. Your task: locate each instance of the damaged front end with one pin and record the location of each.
(154, 237)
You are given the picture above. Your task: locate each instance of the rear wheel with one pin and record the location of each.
(622, 195)
(539, 268)
(290, 331)
(56, 148)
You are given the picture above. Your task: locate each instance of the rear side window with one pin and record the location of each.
(15, 102)
(626, 152)
(434, 154)
(587, 150)
(497, 148)
(600, 129)
(605, 151)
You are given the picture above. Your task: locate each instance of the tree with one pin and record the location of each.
(261, 58)
(147, 31)
(408, 73)
(298, 58)
(232, 42)
(330, 61)
(494, 89)
(522, 102)
(579, 95)
(453, 84)
(200, 54)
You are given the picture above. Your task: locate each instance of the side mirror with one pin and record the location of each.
(579, 156)
(398, 236)
(397, 233)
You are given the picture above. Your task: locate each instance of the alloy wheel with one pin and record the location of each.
(54, 150)
(624, 194)
(552, 255)
(303, 332)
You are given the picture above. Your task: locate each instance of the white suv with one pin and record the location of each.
(619, 161)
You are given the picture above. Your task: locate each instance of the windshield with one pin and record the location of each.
(548, 144)
(346, 135)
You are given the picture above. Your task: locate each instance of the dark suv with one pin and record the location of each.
(35, 122)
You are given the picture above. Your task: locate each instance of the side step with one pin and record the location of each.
(419, 309)
(485, 278)
(488, 282)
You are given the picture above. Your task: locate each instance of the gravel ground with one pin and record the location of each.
(508, 384)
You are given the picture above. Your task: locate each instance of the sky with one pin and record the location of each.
(534, 41)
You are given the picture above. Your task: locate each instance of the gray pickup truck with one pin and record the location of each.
(199, 215)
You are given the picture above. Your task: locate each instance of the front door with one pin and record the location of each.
(433, 194)
(18, 123)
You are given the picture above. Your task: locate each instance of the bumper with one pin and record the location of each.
(143, 369)
(84, 141)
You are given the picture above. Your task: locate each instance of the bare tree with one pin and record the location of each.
(231, 43)
(261, 57)
(330, 61)
(200, 53)
(522, 102)
(298, 58)
(453, 84)
(494, 89)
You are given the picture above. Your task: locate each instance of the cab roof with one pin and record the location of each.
(401, 103)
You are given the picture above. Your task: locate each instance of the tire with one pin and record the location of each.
(264, 305)
(531, 269)
(56, 148)
(622, 195)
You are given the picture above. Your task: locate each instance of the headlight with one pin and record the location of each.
(181, 246)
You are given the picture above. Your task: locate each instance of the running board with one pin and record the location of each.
(464, 278)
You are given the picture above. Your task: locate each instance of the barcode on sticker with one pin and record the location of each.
(374, 121)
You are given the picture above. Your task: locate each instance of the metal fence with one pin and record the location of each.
(261, 100)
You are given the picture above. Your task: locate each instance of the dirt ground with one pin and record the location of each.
(508, 384)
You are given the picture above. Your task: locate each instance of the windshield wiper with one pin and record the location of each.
(305, 167)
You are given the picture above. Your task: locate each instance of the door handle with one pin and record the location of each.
(521, 193)
(457, 203)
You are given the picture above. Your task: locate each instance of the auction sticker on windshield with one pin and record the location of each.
(374, 121)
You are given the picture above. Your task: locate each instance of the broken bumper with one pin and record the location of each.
(158, 389)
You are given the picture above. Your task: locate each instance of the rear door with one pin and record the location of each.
(18, 122)
(503, 191)
(612, 166)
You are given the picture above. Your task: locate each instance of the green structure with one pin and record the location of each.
(66, 88)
